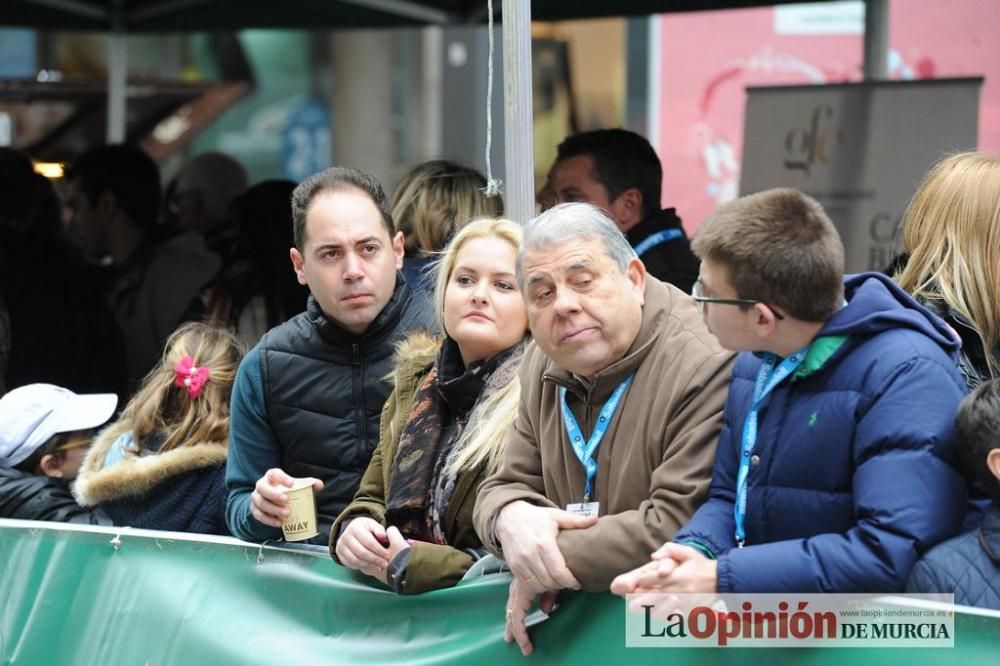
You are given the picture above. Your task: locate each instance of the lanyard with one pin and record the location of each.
(585, 451)
(658, 238)
(768, 377)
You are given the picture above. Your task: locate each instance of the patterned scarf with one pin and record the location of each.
(437, 419)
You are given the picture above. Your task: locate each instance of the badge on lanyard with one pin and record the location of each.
(584, 508)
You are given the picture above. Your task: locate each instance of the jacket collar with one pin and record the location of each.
(876, 304)
(658, 221)
(384, 323)
(989, 534)
(602, 385)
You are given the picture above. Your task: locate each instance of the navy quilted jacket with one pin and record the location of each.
(853, 475)
(180, 490)
(194, 501)
(968, 566)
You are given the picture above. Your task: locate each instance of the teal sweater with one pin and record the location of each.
(253, 449)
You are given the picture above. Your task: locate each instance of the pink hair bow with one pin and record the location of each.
(191, 377)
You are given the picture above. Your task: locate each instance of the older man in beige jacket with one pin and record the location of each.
(621, 408)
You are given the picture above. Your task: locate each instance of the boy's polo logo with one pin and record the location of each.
(812, 418)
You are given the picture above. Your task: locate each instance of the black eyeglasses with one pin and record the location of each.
(698, 294)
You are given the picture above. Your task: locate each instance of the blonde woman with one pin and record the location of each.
(444, 426)
(433, 201)
(951, 231)
(162, 464)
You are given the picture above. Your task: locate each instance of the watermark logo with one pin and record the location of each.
(790, 620)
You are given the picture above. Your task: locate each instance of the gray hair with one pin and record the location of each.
(218, 177)
(574, 221)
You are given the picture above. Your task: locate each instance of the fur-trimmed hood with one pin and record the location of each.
(414, 355)
(136, 476)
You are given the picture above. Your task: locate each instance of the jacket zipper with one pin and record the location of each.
(359, 402)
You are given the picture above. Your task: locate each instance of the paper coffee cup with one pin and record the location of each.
(301, 522)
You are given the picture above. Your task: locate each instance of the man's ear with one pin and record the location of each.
(632, 201)
(635, 271)
(49, 467)
(398, 249)
(993, 462)
(627, 209)
(298, 265)
(763, 320)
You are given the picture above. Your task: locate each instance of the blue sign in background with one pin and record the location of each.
(307, 143)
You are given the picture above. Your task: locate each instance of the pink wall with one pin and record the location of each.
(708, 58)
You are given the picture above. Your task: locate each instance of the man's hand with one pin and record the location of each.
(268, 503)
(519, 600)
(527, 534)
(650, 576)
(359, 547)
(676, 580)
(674, 569)
(692, 572)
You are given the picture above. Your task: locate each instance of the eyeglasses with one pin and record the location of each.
(698, 294)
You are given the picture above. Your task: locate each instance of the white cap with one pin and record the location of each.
(32, 414)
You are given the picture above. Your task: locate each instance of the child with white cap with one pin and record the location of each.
(44, 433)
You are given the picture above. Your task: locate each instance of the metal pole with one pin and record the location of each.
(117, 75)
(876, 40)
(654, 73)
(519, 184)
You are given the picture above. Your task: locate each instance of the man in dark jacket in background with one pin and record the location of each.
(308, 397)
(618, 170)
(113, 199)
(834, 470)
(968, 566)
(44, 432)
(59, 328)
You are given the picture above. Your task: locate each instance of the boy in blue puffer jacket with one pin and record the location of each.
(835, 466)
(968, 566)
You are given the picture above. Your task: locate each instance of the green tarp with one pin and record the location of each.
(81, 596)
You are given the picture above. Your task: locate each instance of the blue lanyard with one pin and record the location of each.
(768, 377)
(658, 238)
(585, 451)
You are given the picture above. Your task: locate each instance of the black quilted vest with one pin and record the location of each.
(324, 389)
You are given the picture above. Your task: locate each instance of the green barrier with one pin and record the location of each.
(73, 595)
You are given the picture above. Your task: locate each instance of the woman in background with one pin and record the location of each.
(432, 202)
(259, 289)
(951, 231)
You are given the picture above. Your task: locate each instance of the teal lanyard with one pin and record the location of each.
(768, 377)
(585, 450)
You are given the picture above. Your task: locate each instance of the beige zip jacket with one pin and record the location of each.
(655, 460)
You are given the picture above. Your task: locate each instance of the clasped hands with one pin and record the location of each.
(528, 536)
(369, 547)
(673, 569)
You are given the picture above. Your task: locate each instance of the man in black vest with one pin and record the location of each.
(307, 399)
(619, 171)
